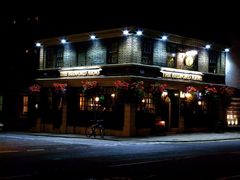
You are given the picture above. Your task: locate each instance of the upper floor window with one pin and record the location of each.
(213, 60)
(112, 52)
(147, 51)
(171, 55)
(54, 57)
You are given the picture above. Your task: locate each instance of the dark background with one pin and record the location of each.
(23, 23)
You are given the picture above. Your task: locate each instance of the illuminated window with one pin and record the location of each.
(171, 54)
(81, 102)
(146, 105)
(25, 104)
(86, 104)
(1, 103)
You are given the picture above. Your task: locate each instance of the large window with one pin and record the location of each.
(112, 52)
(213, 59)
(171, 55)
(54, 57)
(25, 104)
(86, 103)
(147, 51)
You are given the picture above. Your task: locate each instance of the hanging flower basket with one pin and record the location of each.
(90, 88)
(129, 91)
(60, 88)
(35, 88)
(156, 91)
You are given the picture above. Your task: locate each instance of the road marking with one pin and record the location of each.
(9, 151)
(33, 150)
(16, 177)
(137, 163)
(229, 177)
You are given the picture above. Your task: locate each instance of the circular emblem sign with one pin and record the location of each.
(189, 60)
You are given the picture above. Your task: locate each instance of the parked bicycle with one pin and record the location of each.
(95, 129)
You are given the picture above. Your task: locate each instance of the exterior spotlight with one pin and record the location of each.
(63, 41)
(227, 50)
(208, 46)
(139, 32)
(126, 32)
(92, 37)
(164, 38)
(38, 44)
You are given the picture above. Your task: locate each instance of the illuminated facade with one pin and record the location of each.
(126, 55)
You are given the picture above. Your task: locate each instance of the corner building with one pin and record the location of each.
(126, 55)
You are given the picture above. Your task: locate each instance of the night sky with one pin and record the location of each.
(23, 24)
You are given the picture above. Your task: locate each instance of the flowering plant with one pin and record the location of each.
(35, 88)
(90, 88)
(157, 90)
(223, 93)
(130, 91)
(60, 88)
(226, 90)
(191, 89)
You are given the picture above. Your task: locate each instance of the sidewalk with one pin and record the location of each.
(181, 137)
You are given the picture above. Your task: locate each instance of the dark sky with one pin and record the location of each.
(199, 19)
(22, 23)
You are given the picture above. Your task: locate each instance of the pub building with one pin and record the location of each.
(139, 81)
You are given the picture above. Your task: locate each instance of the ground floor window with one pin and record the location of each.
(25, 105)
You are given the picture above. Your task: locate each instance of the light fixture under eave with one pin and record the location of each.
(92, 37)
(63, 41)
(38, 44)
(139, 33)
(208, 46)
(164, 38)
(126, 32)
(227, 50)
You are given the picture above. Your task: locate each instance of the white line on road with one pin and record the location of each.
(8, 151)
(16, 177)
(33, 150)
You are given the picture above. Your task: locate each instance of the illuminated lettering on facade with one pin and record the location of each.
(181, 74)
(83, 72)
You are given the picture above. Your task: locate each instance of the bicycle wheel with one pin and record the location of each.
(100, 131)
(89, 131)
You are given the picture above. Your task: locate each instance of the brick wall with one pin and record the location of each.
(203, 60)
(136, 49)
(69, 56)
(97, 53)
(159, 53)
(124, 53)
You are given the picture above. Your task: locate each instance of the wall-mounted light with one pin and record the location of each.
(208, 46)
(92, 37)
(139, 33)
(63, 41)
(38, 44)
(126, 32)
(164, 38)
(227, 50)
